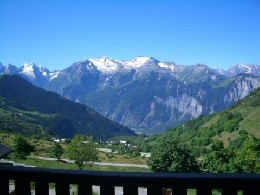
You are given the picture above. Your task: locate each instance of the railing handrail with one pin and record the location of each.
(247, 182)
(236, 176)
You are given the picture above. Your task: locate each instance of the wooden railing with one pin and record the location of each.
(38, 179)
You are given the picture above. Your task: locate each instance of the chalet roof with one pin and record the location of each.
(4, 150)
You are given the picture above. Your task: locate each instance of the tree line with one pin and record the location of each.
(82, 150)
(168, 155)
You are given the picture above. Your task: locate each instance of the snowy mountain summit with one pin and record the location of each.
(33, 71)
(105, 65)
(140, 65)
(144, 93)
(109, 66)
(244, 68)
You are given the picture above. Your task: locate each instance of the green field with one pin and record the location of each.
(43, 150)
(71, 166)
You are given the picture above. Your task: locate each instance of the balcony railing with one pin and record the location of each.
(39, 179)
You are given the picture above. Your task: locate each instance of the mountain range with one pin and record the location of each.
(30, 110)
(145, 94)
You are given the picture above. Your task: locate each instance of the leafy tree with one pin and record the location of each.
(57, 150)
(246, 156)
(238, 142)
(22, 148)
(82, 151)
(169, 155)
(228, 160)
(218, 160)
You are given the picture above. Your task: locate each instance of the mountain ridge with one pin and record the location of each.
(108, 64)
(148, 95)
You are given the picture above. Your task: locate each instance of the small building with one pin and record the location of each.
(57, 140)
(145, 154)
(107, 150)
(122, 142)
(4, 150)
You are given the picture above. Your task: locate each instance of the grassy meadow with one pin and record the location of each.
(43, 149)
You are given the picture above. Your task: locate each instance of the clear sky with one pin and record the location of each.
(56, 33)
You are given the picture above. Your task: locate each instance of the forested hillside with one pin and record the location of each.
(232, 126)
(30, 110)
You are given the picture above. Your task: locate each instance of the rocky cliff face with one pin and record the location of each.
(150, 96)
(243, 85)
(155, 101)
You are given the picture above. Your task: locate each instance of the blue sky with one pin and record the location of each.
(56, 33)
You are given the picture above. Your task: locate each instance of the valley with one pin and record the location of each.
(42, 115)
(144, 94)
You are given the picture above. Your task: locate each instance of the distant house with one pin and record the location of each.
(4, 150)
(107, 150)
(56, 140)
(122, 142)
(145, 154)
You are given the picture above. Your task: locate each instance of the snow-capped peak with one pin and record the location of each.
(54, 74)
(139, 62)
(165, 65)
(245, 68)
(142, 59)
(28, 69)
(106, 65)
(33, 71)
(221, 71)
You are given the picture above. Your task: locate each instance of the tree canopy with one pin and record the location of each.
(170, 156)
(22, 148)
(218, 160)
(57, 150)
(82, 151)
(246, 156)
(228, 160)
